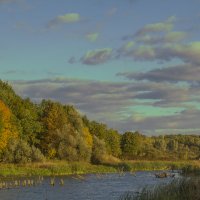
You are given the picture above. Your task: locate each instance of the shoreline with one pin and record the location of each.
(62, 168)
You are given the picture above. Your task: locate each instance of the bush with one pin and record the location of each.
(126, 167)
(22, 153)
(37, 156)
(19, 151)
(66, 152)
(98, 151)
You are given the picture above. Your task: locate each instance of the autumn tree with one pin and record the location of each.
(64, 134)
(53, 119)
(25, 113)
(7, 129)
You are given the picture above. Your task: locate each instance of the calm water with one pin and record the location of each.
(91, 187)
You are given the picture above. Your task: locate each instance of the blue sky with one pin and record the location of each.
(133, 64)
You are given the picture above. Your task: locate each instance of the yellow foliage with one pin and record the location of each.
(51, 153)
(8, 130)
(55, 117)
(88, 137)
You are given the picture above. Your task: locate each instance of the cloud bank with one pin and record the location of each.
(116, 103)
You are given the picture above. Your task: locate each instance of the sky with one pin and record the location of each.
(132, 64)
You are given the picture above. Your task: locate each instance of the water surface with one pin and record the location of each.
(87, 187)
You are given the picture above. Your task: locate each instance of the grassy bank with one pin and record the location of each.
(180, 189)
(158, 165)
(65, 168)
(53, 168)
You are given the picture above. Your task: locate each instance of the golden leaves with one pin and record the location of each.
(8, 129)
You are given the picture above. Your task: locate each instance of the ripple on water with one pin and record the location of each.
(87, 187)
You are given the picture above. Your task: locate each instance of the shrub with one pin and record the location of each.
(37, 156)
(98, 151)
(19, 151)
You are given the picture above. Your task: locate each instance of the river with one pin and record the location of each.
(86, 187)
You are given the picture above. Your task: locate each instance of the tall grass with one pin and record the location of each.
(67, 168)
(191, 169)
(179, 189)
(154, 165)
(56, 168)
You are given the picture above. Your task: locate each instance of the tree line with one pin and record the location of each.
(34, 132)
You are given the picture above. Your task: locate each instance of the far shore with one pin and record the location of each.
(61, 168)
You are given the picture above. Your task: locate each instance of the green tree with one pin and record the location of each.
(172, 145)
(160, 143)
(113, 143)
(25, 113)
(109, 136)
(131, 145)
(98, 151)
(19, 151)
(64, 136)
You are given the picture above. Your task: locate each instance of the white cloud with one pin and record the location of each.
(64, 19)
(97, 56)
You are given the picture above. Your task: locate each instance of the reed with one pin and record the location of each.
(179, 189)
(191, 169)
(52, 181)
(24, 183)
(15, 182)
(61, 182)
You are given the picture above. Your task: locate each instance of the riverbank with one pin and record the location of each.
(65, 168)
(159, 165)
(180, 189)
(186, 188)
